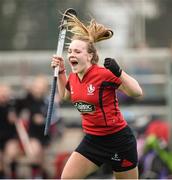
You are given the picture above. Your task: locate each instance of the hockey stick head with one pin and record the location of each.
(68, 12)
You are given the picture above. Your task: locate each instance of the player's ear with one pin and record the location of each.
(90, 56)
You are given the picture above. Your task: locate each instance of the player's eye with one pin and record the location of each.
(77, 51)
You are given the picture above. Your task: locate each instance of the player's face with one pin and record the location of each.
(79, 58)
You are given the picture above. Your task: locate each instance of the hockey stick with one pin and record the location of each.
(60, 45)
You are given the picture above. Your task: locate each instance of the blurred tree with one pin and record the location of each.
(32, 25)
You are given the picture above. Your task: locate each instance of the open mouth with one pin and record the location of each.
(74, 62)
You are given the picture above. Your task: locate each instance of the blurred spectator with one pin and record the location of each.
(34, 107)
(159, 128)
(9, 143)
(156, 160)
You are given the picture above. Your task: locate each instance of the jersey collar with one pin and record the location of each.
(88, 70)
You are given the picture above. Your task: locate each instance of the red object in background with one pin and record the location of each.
(60, 162)
(159, 128)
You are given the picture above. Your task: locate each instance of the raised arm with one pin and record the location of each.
(129, 85)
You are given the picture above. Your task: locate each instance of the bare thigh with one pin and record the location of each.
(12, 150)
(37, 151)
(130, 174)
(78, 167)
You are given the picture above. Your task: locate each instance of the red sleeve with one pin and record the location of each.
(112, 78)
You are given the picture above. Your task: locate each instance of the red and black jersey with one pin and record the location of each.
(95, 97)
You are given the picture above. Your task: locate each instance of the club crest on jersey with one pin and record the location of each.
(90, 89)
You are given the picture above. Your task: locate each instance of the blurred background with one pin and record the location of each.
(142, 44)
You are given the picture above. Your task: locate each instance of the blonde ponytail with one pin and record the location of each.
(94, 32)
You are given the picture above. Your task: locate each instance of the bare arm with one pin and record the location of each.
(61, 82)
(130, 86)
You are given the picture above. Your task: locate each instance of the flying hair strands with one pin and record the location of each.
(94, 32)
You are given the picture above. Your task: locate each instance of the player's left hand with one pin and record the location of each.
(113, 66)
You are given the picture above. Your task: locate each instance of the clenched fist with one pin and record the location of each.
(113, 66)
(58, 61)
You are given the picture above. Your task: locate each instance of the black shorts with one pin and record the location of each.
(118, 150)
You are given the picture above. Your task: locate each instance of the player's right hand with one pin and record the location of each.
(57, 61)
